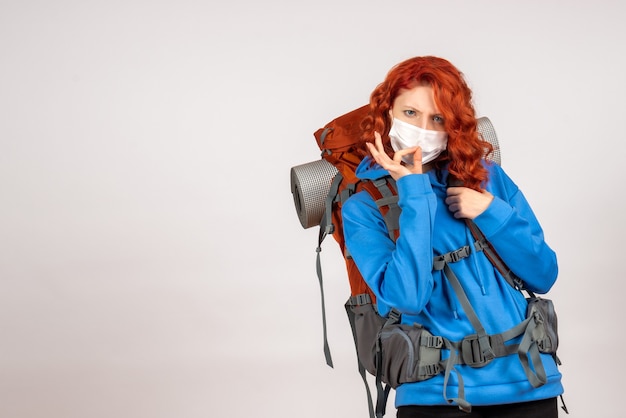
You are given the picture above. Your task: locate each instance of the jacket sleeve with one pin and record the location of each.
(400, 274)
(511, 227)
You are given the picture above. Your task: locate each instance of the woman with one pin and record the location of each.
(422, 131)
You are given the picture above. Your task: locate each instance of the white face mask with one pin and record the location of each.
(404, 135)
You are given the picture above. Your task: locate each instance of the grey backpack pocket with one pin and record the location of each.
(408, 354)
(397, 353)
(542, 311)
(367, 326)
(540, 336)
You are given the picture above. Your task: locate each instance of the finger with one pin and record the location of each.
(376, 148)
(380, 157)
(371, 148)
(455, 208)
(417, 155)
(397, 157)
(375, 154)
(417, 161)
(379, 142)
(455, 191)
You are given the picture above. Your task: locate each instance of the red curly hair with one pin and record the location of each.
(453, 98)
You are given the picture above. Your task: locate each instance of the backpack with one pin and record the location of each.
(319, 189)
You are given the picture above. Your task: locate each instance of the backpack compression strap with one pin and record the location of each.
(326, 228)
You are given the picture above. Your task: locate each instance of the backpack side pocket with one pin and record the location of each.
(409, 354)
(544, 314)
(367, 326)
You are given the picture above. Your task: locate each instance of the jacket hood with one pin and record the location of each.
(370, 170)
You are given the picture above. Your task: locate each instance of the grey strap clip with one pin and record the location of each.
(452, 257)
(361, 299)
(431, 341)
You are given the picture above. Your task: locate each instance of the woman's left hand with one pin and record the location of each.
(467, 203)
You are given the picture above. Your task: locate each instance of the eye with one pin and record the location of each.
(438, 119)
(410, 113)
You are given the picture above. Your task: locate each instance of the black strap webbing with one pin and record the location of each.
(483, 245)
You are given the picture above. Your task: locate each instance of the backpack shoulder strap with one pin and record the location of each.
(385, 193)
(482, 244)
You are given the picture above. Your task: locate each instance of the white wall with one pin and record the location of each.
(151, 260)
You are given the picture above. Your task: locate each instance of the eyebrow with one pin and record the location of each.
(409, 107)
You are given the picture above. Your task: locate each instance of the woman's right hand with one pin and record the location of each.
(395, 166)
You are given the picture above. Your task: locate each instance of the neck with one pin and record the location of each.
(428, 166)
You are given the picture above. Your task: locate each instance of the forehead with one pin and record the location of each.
(420, 97)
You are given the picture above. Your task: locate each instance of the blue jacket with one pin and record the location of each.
(401, 276)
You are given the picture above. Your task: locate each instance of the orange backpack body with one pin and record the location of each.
(321, 187)
(337, 141)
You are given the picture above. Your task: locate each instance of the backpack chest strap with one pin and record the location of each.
(443, 262)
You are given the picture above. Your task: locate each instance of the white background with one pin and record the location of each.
(151, 260)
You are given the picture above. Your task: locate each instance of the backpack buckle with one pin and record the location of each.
(431, 341)
(459, 254)
(475, 354)
(361, 299)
